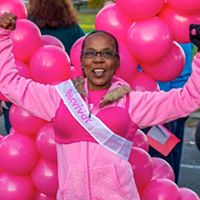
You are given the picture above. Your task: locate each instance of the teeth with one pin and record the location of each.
(98, 72)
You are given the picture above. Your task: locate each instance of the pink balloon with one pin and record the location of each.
(179, 23)
(143, 82)
(75, 54)
(50, 64)
(24, 122)
(112, 20)
(149, 40)
(188, 194)
(142, 166)
(185, 6)
(26, 39)
(128, 65)
(169, 67)
(142, 9)
(16, 187)
(162, 169)
(18, 154)
(49, 39)
(45, 142)
(140, 140)
(163, 188)
(23, 69)
(14, 6)
(45, 178)
(42, 196)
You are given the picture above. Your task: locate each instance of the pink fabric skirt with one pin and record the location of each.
(88, 171)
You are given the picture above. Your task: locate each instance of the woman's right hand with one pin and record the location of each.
(8, 21)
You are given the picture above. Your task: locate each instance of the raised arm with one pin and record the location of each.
(150, 108)
(39, 99)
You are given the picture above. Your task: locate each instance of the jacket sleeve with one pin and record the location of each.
(39, 99)
(151, 108)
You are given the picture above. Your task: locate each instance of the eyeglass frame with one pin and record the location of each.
(114, 54)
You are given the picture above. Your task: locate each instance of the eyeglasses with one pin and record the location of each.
(106, 54)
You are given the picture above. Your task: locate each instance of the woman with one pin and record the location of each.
(56, 18)
(94, 117)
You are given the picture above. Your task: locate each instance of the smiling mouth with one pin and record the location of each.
(98, 72)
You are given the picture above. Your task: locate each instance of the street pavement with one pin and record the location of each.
(190, 162)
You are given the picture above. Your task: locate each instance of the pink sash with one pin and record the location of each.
(93, 125)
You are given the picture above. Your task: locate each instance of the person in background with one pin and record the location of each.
(95, 116)
(177, 126)
(56, 18)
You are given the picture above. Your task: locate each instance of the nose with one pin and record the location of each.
(98, 53)
(98, 57)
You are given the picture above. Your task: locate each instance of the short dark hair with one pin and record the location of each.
(104, 32)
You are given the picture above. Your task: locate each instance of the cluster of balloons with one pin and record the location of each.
(151, 30)
(36, 54)
(154, 176)
(28, 162)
